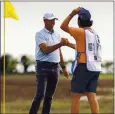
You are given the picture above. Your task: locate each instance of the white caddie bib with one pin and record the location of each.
(93, 52)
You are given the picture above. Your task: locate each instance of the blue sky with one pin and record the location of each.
(20, 35)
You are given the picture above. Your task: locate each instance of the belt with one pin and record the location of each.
(46, 63)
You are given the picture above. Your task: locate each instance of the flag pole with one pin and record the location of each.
(4, 98)
(9, 12)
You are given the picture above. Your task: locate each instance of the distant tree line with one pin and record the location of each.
(11, 63)
(25, 60)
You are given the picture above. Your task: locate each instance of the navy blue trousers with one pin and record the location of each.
(46, 77)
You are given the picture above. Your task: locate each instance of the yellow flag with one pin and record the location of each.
(9, 11)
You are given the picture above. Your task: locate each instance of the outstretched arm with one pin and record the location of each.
(48, 49)
(71, 45)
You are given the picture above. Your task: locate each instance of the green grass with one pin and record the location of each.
(60, 106)
(102, 76)
(20, 90)
(106, 76)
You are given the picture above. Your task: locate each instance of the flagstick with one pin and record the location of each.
(10, 10)
(4, 69)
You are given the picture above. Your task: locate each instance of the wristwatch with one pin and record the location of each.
(71, 15)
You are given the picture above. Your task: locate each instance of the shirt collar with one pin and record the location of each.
(48, 31)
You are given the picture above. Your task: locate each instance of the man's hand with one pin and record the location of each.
(75, 11)
(64, 41)
(66, 74)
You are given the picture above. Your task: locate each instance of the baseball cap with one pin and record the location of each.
(84, 14)
(49, 16)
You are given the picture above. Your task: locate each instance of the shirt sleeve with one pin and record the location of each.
(40, 38)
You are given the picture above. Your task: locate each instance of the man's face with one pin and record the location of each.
(49, 23)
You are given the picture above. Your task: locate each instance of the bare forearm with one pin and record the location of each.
(48, 49)
(52, 48)
(71, 45)
(61, 60)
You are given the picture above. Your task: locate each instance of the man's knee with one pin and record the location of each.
(39, 97)
(48, 98)
(91, 96)
(76, 96)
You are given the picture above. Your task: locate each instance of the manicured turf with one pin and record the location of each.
(20, 90)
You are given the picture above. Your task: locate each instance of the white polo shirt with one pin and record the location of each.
(50, 38)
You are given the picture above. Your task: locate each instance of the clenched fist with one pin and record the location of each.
(76, 11)
(64, 41)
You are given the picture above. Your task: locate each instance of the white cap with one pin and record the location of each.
(49, 16)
